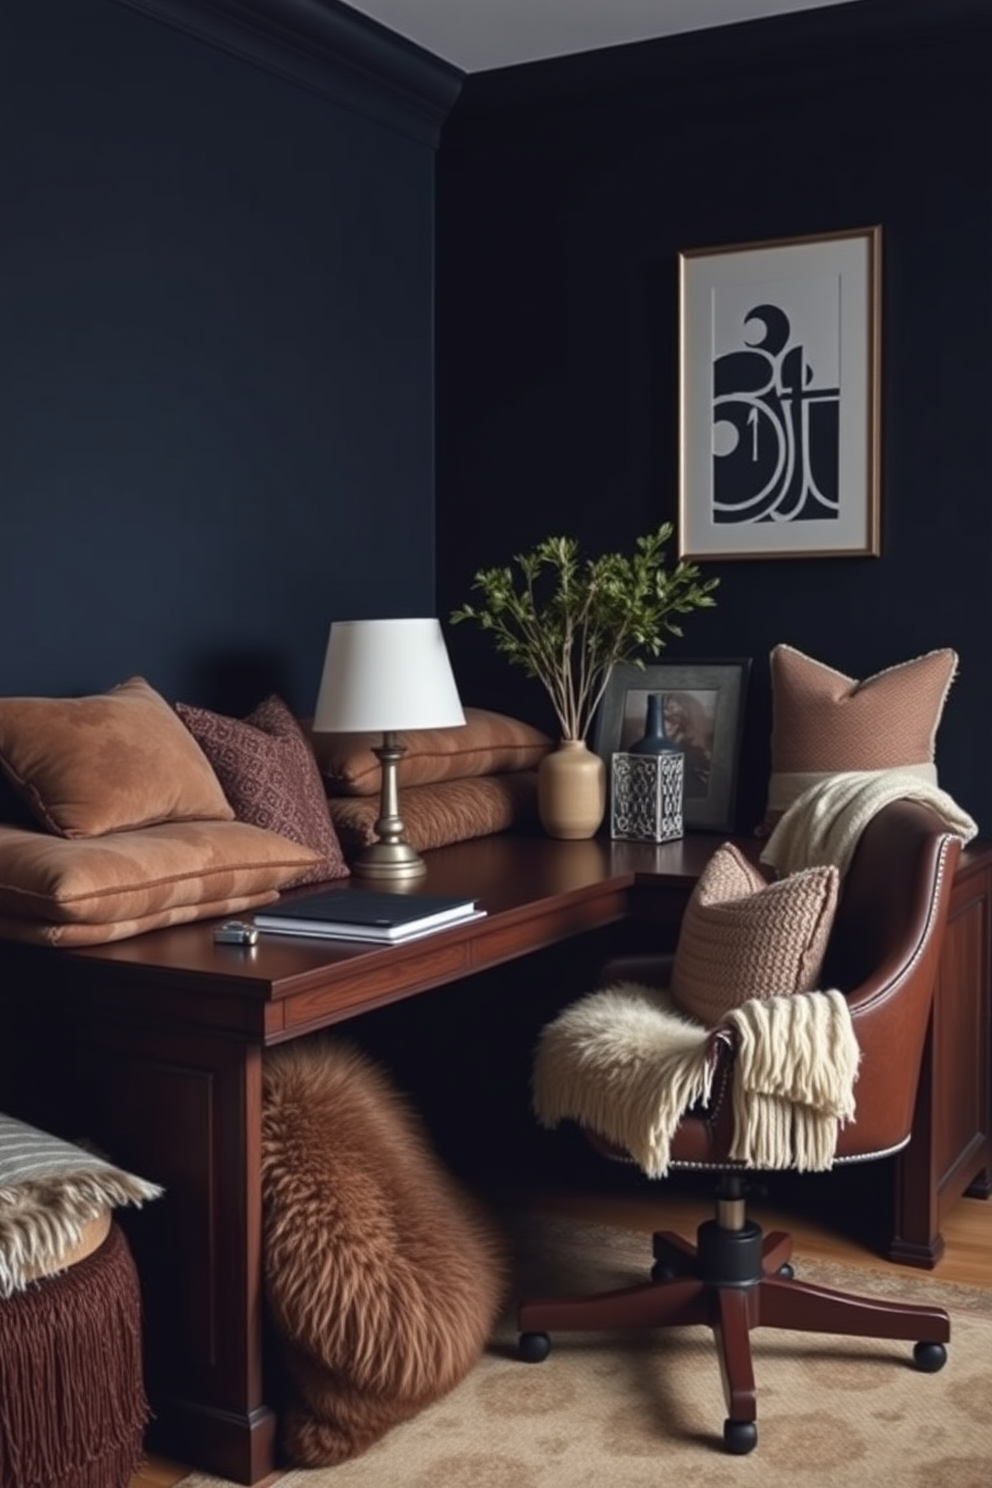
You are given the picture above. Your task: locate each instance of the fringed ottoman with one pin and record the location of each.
(72, 1399)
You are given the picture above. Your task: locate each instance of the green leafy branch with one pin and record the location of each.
(567, 621)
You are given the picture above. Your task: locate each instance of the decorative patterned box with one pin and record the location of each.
(646, 796)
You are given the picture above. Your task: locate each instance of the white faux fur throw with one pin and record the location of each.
(793, 1085)
(627, 1064)
(823, 825)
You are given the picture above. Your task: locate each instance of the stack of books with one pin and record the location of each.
(367, 915)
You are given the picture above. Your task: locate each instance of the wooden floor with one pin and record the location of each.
(967, 1257)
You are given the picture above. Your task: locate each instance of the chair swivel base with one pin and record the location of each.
(732, 1280)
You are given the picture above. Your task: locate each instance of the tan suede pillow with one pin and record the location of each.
(743, 937)
(486, 744)
(824, 723)
(448, 811)
(92, 765)
(55, 933)
(131, 875)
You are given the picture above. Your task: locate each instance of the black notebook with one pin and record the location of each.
(367, 914)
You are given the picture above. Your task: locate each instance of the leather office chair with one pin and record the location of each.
(883, 954)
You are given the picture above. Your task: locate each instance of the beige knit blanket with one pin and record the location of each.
(823, 825)
(627, 1064)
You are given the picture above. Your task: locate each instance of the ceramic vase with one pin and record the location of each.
(648, 782)
(654, 740)
(571, 790)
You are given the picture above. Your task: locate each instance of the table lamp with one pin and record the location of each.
(383, 676)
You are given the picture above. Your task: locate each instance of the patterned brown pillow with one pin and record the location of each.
(447, 811)
(824, 723)
(113, 762)
(270, 777)
(743, 937)
(487, 743)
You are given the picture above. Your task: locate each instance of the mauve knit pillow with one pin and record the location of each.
(824, 723)
(743, 937)
(269, 775)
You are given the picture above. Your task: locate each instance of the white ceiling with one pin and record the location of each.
(475, 35)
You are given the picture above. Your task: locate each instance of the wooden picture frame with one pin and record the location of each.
(706, 721)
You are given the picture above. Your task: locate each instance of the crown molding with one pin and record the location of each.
(327, 48)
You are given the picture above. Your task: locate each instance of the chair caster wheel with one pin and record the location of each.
(740, 1437)
(929, 1357)
(534, 1348)
(787, 1271)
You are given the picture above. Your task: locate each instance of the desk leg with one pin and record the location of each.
(951, 1148)
(916, 1239)
(185, 1111)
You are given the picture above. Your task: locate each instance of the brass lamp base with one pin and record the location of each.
(390, 857)
(389, 860)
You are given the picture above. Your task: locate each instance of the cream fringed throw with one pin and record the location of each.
(626, 1064)
(797, 1061)
(824, 824)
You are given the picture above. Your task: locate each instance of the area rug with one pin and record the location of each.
(642, 1410)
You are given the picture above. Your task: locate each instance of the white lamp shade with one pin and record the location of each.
(384, 675)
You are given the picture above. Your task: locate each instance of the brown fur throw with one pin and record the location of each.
(384, 1277)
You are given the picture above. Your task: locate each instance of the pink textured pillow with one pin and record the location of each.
(824, 723)
(743, 937)
(270, 777)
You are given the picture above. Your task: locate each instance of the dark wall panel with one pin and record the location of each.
(216, 363)
(565, 195)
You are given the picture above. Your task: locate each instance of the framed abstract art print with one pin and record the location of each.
(779, 398)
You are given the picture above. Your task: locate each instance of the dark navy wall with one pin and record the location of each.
(216, 362)
(566, 191)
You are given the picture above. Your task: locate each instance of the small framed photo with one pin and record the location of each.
(703, 714)
(779, 392)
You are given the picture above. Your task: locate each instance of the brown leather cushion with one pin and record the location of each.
(93, 765)
(824, 722)
(487, 744)
(742, 937)
(270, 777)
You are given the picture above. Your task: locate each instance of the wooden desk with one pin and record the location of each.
(153, 1047)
